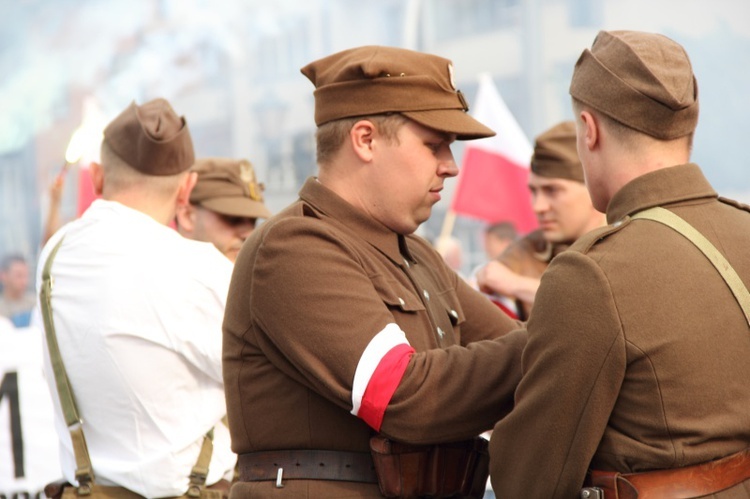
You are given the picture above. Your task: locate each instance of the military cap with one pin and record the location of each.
(228, 186)
(643, 80)
(151, 138)
(555, 153)
(373, 80)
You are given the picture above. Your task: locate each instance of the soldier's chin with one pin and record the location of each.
(553, 236)
(411, 229)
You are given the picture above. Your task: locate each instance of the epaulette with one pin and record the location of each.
(584, 243)
(736, 204)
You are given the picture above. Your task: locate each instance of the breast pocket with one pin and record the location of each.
(396, 295)
(450, 308)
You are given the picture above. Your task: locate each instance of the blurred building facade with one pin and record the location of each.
(233, 70)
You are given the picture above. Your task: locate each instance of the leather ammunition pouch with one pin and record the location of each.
(450, 470)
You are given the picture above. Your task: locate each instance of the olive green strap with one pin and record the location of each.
(721, 264)
(84, 471)
(199, 473)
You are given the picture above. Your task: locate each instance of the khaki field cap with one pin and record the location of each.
(642, 80)
(377, 80)
(555, 153)
(229, 187)
(151, 138)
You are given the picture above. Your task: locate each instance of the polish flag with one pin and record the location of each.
(493, 181)
(86, 194)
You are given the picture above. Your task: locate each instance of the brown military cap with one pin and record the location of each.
(642, 80)
(377, 80)
(151, 138)
(555, 153)
(228, 186)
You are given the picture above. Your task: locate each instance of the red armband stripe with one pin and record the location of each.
(383, 384)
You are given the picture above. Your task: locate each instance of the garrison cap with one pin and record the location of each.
(151, 138)
(555, 153)
(229, 187)
(373, 80)
(643, 80)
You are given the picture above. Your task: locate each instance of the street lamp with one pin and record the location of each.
(270, 112)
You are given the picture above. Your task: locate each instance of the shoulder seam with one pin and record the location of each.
(734, 203)
(587, 241)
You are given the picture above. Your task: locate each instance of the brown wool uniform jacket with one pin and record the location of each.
(529, 257)
(311, 288)
(637, 357)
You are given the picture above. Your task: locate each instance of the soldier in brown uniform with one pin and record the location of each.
(562, 205)
(225, 204)
(340, 323)
(636, 370)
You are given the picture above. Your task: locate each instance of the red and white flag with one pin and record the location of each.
(83, 149)
(493, 181)
(86, 194)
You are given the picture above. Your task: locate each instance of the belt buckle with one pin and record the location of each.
(591, 493)
(279, 474)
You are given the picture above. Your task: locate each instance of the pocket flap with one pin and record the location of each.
(394, 294)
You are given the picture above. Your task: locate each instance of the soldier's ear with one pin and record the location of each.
(185, 218)
(97, 177)
(361, 137)
(591, 130)
(186, 187)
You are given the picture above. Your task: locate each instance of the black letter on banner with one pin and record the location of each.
(9, 387)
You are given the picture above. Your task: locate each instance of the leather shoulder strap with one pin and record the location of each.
(721, 264)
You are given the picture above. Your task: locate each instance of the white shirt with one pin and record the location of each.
(138, 310)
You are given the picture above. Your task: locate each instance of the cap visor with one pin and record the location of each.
(451, 121)
(237, 207)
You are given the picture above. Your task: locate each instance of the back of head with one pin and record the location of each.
(555, 153)
(229, 187)
(375, 80)
(451, 250)
(502, 230)
(498, 236)
(151, 139)
(643, 80)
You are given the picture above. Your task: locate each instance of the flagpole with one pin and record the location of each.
(448, 222)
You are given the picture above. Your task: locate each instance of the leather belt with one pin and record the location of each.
(307, 465)
(679, 483)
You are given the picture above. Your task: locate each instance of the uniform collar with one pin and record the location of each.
(330, 204)
(659, 188)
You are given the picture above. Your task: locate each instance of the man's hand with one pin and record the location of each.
(496, 278)
(55, 190)
(53, 214)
